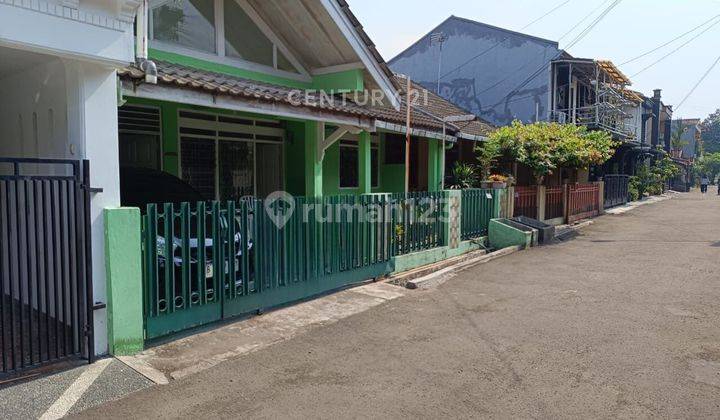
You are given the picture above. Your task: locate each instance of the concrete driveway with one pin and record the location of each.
(623, 321)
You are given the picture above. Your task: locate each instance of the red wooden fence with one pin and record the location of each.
(583, 201)
(554, 203)
(526, 201)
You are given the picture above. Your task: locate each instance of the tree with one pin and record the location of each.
(487, 156)
(711, 132)
(709, 165)
(545, 147)
(676, 137)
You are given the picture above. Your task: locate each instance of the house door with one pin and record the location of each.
(269, 169)
(45, 263)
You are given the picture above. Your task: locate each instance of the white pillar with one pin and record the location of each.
(93, 135)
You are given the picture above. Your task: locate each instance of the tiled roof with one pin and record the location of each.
(218, 83)
(440, 108)
(424, 115)
(366, 39)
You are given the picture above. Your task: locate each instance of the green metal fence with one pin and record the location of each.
(205, 262)
(478, 207)
(417, 221)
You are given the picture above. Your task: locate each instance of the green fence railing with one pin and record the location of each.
(478, 207)
(205, 262)
(417, 221)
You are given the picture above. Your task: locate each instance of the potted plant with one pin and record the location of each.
(495, 182)
(487, 155)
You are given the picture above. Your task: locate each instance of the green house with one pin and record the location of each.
(243, 98)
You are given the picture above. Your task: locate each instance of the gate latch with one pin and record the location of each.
(99, 305)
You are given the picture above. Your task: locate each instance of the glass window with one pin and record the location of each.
(243, 39)
(198, 165)
(236, 170)
(349, 166)
(188, 23)
(284, 64)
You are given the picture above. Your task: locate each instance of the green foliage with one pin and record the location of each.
(709, 165)
(545, 147)
(711, 132)
(487, 156)
(634, 187)
(652, 180)
(676, 138)
(464, 175)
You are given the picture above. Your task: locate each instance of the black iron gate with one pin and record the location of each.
(617, 190)
(45, 265)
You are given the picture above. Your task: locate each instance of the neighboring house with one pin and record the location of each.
(499, 75)
(58, 99)
(237, 98)
(691, 137)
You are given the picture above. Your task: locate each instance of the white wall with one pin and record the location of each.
(33, 113)
(81, 97)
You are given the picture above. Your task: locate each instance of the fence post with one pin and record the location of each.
(498, 200)
(566, 202)
(123, 258)
(541, 199)
(601, 196)
(451, 223)
(510, 202)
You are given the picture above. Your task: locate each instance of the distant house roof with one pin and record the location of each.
(474, 22)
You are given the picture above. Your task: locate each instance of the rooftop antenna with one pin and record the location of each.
(438, 38)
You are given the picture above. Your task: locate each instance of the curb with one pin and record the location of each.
(402, 279)
(440, 277)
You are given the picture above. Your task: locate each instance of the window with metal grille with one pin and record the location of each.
(198, 165)
(139, 136)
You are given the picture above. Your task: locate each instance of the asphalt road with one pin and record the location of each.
(623, 321)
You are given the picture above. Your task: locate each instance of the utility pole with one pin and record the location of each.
(408, 105)
(439, 38)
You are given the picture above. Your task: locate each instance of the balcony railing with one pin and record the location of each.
(597, 117)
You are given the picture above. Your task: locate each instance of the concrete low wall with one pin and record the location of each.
(418, 259)
(504, 236)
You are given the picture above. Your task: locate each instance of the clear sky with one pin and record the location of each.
(632, 28)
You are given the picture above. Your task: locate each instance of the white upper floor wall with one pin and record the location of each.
(90, 30)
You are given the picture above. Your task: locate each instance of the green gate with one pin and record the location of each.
(206, 262)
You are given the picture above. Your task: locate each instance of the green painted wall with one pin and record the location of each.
(344, 81)
(313, 168)
(225, 69)
(123, 262)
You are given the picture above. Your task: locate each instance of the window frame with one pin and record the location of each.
(217, 125)
(352, 142)
(220, 57)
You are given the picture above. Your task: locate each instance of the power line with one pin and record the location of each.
(541, 52)
(671, 41)
(592, 25)
(704, 76)
(546, 14)
(497, 44)
(676, 49)
(577, 39)
(583, 20)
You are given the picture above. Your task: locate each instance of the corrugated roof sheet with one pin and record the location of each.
(614, 72)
